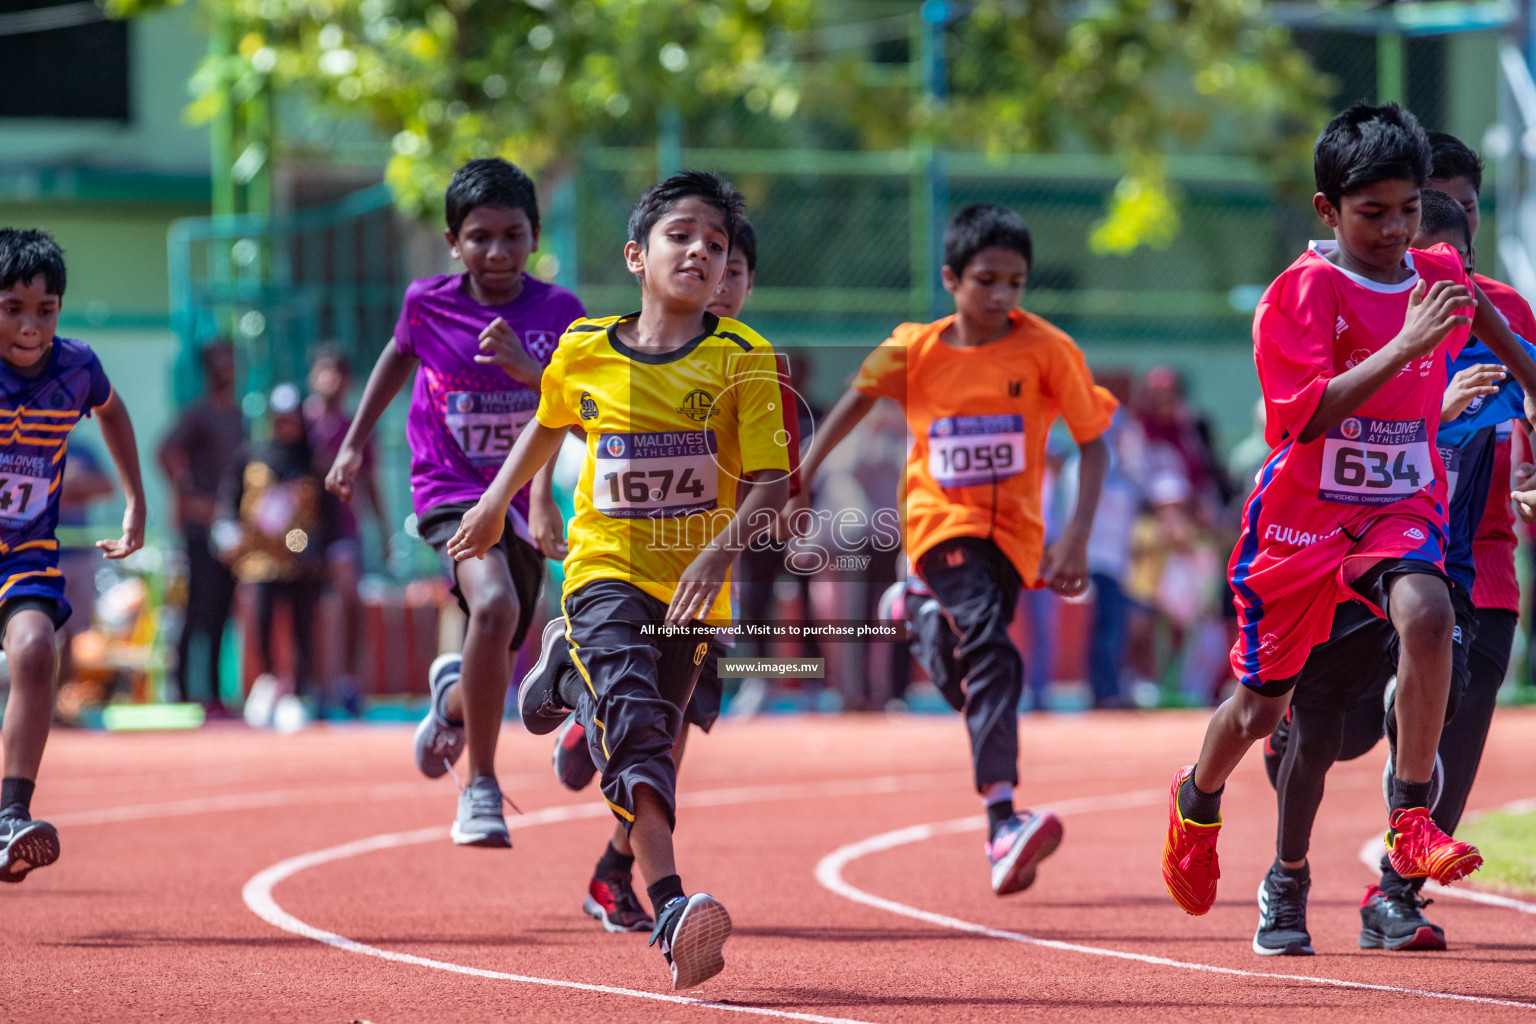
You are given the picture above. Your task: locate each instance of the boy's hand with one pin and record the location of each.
(1474, 381)
(545, 526)
(500, 346)
(698, 586)
(792, 521)
(1432, 314)
(343, 471)
(1523, 491)
(1064, 567)
(478, 532)
(132, 538)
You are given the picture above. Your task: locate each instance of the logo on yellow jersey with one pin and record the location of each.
(588, 406)
(697, 405)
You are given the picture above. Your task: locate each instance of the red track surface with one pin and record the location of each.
(143, 917)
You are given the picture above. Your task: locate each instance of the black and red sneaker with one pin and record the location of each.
(1395, 920)
(572, 759)
(611, 899)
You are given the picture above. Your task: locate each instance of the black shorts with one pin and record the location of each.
(56, 611)
(525, 564)
(708, 693)
(635, 685)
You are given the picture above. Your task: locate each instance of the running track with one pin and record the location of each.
(232, 875)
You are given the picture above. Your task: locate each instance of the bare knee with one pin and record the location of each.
(1255, 716)
(1423, 615)
(31, 651)
(494, 610)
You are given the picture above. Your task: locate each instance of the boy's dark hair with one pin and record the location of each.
(1367, 144)
(746, 242)
(1449, 158)
(489, 182)
(332, 352)
(1440, 215)
(984, 226)
(702, 185)
(25, 254)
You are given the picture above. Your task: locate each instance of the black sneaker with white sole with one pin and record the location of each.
(538, 695)
(24, 845)
(1394, 919)
(1282, 927)
(611, 900)
(692, 931)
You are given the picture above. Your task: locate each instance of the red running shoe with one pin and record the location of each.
(1418, 849)
(1190, 869)
(611, 900)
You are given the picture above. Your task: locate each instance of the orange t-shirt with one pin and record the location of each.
(979, 419)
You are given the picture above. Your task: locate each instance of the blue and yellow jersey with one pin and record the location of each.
(36, 415)
(669, 438)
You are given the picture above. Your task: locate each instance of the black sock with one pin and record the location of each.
(569, 685)
(1409, 794)
(16, 797)
(1302, 874)
(664, 891)
(613, 862)
(997, 814)
(1198, 806)
(1394, 883)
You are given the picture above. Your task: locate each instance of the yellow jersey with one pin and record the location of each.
(669, 438)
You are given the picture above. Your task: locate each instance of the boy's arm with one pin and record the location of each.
(848, 413)
(482, 525)
(1432, 314)
(117, 432)
(1490, 327)
(545, 525)
(1064, 567)
(698, 584)
(389, 375)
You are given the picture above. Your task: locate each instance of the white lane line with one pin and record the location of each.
(829, 872)
(1370, 856)
(257, 892)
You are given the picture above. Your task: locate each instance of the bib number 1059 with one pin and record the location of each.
(964, 451)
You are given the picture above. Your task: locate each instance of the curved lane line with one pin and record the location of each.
(829, 872)
(257, 892)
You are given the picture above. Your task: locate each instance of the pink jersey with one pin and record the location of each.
(1372, 487)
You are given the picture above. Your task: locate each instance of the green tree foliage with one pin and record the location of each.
(532, 80)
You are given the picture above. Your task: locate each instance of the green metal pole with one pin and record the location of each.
(221, 133)
(919, 216)
(669, 142)
(1391, 80)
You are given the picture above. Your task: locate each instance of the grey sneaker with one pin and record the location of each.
(480, 821)
(438, 742)
(538, 695)
(24, 845)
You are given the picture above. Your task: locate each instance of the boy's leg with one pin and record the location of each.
(29, 642)
(1462, 739)
(479, 699)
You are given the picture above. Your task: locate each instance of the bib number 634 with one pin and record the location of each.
(1370, 467)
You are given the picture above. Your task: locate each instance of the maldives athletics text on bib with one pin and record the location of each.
(487, 423)
(1369, 461)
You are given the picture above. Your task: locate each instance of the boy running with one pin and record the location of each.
(980, 391)
(47, 384)
(1352, 502)
(679, 407)
(481, 339)
(610, 895)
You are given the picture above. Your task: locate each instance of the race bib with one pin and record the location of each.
(655, 475)
(1368, 461)
(487, 423)
(22, 498)
(967, 450)
(1452, 459)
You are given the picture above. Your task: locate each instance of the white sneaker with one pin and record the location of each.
(261, 701)
(289, 714)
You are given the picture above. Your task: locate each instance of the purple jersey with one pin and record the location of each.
(465, 415)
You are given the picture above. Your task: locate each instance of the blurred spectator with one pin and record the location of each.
(330, 381)
(1039, 608)
(1185, 436)
(85, 483)
(1109, 545)
(1247, 457)
(278, 521)
(196, 456)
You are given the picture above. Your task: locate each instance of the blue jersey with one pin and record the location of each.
(36, 416)
(1467, 449)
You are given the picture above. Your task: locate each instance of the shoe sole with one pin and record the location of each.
(485, 840)
(1425, 938)
(1019, 874)
(537, 724)
(1290, 949)
(698, 941)
(37, 846)
(579, 776)
(595, 910)
(1455, 871)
